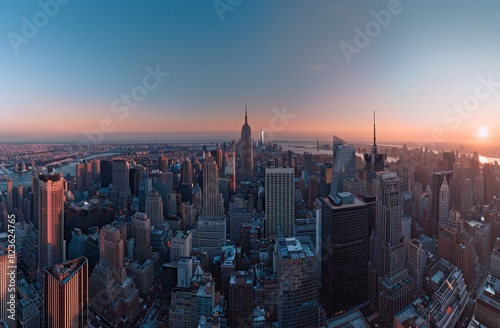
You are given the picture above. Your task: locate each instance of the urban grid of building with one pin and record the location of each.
(243, 233)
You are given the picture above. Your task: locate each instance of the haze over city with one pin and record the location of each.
(241, 164)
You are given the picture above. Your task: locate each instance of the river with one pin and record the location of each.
(24, 178)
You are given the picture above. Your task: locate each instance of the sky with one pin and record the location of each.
(305, 69)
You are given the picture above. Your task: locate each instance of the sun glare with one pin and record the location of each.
(483, 132)
(483, 159)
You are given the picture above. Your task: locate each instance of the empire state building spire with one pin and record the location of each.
(374, 148)
(246, 118)
(375, 162)
(246, 150)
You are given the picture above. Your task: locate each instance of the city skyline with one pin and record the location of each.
(237, 164)
(268, 56)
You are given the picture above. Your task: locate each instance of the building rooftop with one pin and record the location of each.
(490, 292)
(352, 319)
(64, 271)
(295, 247)
(347, 200)
(180, 234)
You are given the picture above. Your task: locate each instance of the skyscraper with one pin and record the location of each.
(374, 161)
(394, 285)
(262, 139)
(231, 163)
(246, 150)
(213, 204)
(141, 231)
(65, 294)
(112, 295)
(298, 274)
(163, 164)
(280, 212)
(444, 202)
(187, 172)
(344, 226)
(120, 176)
(10, 195)
(344, 167)
(417, 261)
(448, 160)
(241, 298)
(437, 181)
(154, 208)
(106, 172)
(51, 246)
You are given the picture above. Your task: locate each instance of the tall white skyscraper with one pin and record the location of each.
(280, 214)
(444, 202)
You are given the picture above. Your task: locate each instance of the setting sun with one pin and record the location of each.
(483, 132)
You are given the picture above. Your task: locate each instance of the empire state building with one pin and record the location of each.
(246, 150)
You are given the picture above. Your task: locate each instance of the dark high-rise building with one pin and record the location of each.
(474, 165)
(280, 214)
(163, 164)
(374, 161)
(489, 189)
(298, 274)
(65, 294)
(246, 150)
(109, 280)
(241, 298)
(313, 190)
(120, 175)
(106, 168)
(141, 228)
(371, 200)
(84, 175)
(344, 249)
(448, 160)
(10, 195)
(326, 179)
(51, 246)
(187, 172)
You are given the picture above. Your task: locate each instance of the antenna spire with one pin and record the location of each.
(246, 120)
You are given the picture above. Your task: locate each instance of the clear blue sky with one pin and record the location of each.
(268, 54)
